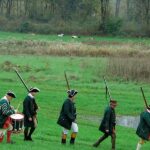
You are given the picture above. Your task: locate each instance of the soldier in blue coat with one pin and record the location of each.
(107, 125)
(5, 111)
(143, 129)
(67, 118)
(30, 108)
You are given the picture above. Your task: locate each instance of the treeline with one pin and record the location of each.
(119, 17)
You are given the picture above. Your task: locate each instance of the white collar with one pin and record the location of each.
(6, 99)
(148, 110)
(30, 95)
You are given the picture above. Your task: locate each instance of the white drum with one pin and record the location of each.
(17, 121)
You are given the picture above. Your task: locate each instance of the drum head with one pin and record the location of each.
(17, 116)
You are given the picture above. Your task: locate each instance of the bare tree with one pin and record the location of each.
(117, 8)
(104, 13)
(146, 4)
(8, 7)
(128, 9)
(26, 7)
(1, 6)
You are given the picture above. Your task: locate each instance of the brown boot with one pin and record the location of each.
(113, 141)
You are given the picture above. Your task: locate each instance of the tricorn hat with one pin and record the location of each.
(35, 89)
(10, 93)
(72, 92)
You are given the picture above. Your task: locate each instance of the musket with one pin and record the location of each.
(22, 82)
(18, 106)
(68, 86)
(144, 98)
(21, 79)
(107, 89)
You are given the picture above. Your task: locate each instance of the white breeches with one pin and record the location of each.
(74, 128)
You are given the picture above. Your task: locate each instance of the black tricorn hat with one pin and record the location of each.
(35, 89)
(72, 92)
(10, 93)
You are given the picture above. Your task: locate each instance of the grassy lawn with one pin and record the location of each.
(93, 46)
(48, 137)
(67, 38)
(84, 74)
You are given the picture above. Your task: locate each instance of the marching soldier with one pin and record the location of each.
(143, 130)
(30, 111)
(5, 111)
(67, 117)
(107, 125)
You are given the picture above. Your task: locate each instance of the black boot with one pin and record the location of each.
(31, 132)
(100, 140)
(72, 140)
(63, 141)
(96, 144)
(26, 134)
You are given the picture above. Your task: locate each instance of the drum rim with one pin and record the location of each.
(16, 114)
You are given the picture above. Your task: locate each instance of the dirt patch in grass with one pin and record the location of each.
(8, 66)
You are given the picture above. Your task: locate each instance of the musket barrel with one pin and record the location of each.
(66, 80)
(107, 87)
(144, 97)
(21, 79)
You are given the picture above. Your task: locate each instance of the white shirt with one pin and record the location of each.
(30, 95)
(6, 99)
(148, 110)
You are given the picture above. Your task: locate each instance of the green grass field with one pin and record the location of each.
(84, 74)
(67, 38)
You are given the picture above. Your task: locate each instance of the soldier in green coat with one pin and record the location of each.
(5, 111)
(143, 129)
(107, 125)
(67, 117)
